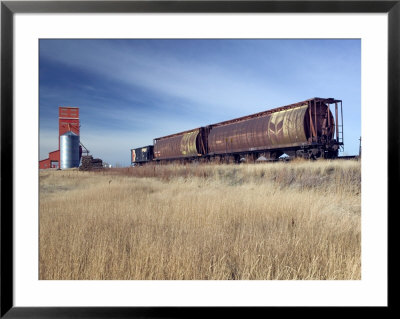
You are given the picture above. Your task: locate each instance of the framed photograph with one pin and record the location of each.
(134, 146)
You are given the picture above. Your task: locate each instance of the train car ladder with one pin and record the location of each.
(339, 128)
(340, 137)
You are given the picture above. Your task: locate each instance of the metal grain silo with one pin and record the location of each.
(69, 150)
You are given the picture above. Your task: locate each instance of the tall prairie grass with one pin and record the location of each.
(289, 221)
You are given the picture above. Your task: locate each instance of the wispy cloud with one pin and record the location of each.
(210, 85)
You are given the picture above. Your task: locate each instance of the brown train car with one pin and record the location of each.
(186, 144)
(305, 129)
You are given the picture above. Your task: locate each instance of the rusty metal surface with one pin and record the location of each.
(286, 128)
(283, 128)
(324, 123)
(281, 108)
(177, 145)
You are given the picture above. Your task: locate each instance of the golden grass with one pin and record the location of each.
(297, 220)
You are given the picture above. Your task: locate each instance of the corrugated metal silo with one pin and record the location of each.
(69, 150)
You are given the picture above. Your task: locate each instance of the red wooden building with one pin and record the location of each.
(68, 120)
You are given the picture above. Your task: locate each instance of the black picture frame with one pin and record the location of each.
(9, 8)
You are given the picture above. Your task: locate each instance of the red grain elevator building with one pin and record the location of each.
(68, 120)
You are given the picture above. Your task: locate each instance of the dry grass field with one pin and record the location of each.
(271, 221)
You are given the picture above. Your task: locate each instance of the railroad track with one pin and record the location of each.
(347, 157)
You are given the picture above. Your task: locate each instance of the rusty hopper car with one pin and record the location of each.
(305, 129)
(188, 144)
(141, 155)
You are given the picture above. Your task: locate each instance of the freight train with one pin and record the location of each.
(305, 129)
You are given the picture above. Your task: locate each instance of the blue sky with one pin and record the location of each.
(131, 91)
